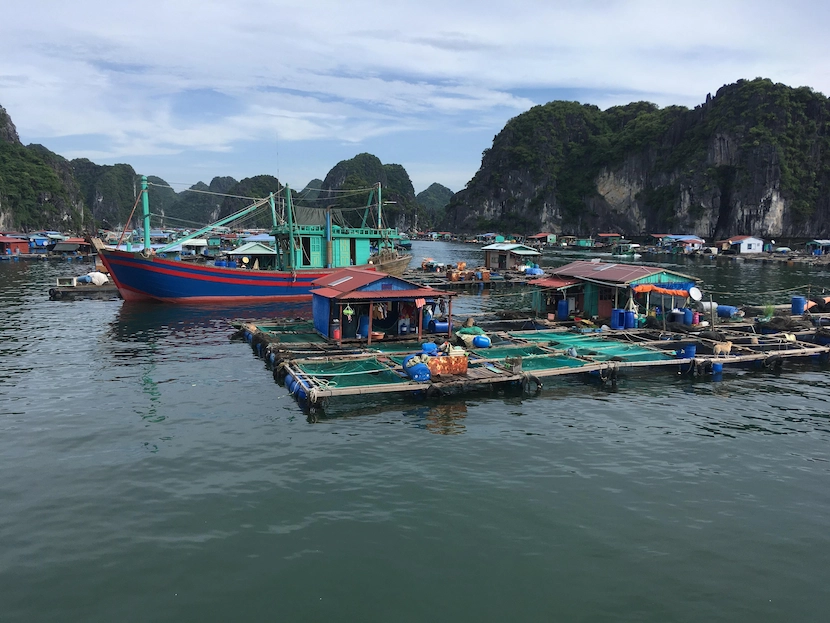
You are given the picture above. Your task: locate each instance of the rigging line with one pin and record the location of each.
(180, 220)
(339, 190)
(205, 192)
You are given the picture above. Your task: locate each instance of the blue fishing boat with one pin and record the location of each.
(302, 254)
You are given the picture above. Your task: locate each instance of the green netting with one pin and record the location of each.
(301, 338)
(299, 325)
(550, 363)
(500, 352)
(398, 347)
(546, 336)
(356, 373)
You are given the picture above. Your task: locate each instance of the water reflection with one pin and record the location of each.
(142, 322)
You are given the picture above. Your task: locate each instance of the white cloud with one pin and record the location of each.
(331, 72)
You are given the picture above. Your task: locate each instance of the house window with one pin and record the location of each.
(606, 294)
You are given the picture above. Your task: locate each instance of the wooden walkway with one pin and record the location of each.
(301, 362)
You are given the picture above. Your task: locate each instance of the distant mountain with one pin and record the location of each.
(363, 171)
(200, 204)
(434, 202)
(754, 159)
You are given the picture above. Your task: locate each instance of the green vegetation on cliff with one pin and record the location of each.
(714, 169)
(32, 191)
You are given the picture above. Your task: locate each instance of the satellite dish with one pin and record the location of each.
(695, 293)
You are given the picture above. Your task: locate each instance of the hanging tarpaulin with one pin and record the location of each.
(651, 287)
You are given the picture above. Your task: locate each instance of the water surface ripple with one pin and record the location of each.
(151, 470)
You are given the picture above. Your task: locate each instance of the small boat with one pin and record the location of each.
(302, 254)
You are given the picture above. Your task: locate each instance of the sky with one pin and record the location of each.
(188, 90)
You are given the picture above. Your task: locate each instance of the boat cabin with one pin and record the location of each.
(253, 255)
(356, 304)
(508, 256)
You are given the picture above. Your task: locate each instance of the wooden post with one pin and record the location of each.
(420, 322)
(713, 313)
(449, 320)
(369, 330)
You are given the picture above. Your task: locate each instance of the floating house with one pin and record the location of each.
(684, 242)
(596, 288)
(360, 304)
(818, 247)
(741, 244)
(39, 243)
(72, 246)
(608, 240)
(508, 255)
(542, 239)
(13, 246)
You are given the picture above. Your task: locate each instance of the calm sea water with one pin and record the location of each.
(151, 470)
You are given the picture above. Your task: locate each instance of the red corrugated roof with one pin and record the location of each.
(344, 285)
(554, 282)
(609, 235)
(348, 279)
(378, 295)
(609, 272)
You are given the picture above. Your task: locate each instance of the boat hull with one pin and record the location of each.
(141, 278)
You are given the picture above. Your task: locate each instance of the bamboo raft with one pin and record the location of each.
(316, 371)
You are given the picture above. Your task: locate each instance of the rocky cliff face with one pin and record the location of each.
(37, 189)
(8, 133)
(754, 159)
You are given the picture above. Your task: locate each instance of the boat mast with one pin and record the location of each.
(273, 210)
(145, 206)
(289, 213)
(380, 203)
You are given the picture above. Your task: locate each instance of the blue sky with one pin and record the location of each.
(190, 90)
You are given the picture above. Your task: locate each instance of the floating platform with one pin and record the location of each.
(84, 291)
(316, 371)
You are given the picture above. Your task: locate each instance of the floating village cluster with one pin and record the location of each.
(376, 328)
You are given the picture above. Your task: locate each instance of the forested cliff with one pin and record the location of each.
(41, 190)
(753, 159)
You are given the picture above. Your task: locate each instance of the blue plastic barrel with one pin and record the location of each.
(688, 316)
(687, 352)
(717, 368)
(231, 263)
(438, 327)
(220, 263)
(799, 303)
(630, 320)
(481, 341)
(427, 319)
(430, 348)
(726, 311)
(617, 318)
(363, 326)
(419, 372)
(562, 310)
